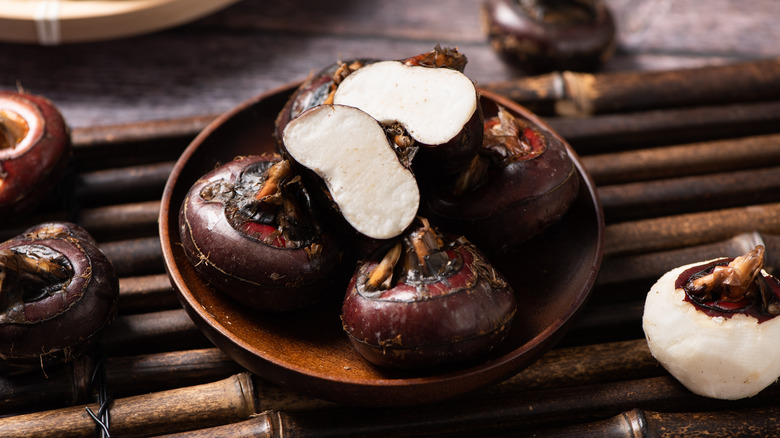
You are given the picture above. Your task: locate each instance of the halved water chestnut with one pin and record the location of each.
(346, 150)
(34, 151)
(437, 107)
(545, 35)
(714, 325)
(248, 229)
(426, 299)
(424, 100)
(58, 291)
(521, 182)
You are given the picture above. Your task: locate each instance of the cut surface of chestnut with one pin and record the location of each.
(58, 291)
(248, 229)
(426, 300)
(34, 151)
(438, 107)
(426, 101)
(521, 182)
(544, 35)
(350, 154)
(713, 325)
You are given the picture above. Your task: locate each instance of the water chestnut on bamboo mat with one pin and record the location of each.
(34, 151)
(713, 325)
(427, 299)
(248, 229)
(58, 291)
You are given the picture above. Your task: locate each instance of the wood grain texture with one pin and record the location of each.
(210, 65)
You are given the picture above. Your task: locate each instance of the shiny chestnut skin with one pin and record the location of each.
(544, 35)
(34, 151)
(257, 260)
(422, 320)
(49, 319)
(518, 196)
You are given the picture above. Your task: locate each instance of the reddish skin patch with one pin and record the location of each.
(29, 174)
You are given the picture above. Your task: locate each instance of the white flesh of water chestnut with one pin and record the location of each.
(432, 104)
(717, 357)
(348, 149)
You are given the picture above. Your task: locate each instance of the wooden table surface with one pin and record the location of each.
(135, 103)
(209, 66)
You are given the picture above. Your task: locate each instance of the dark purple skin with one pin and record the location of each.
(261, 275)
(450, 319)
(519, 198)
(63, 322)
(552, 34)
(447, 158)
(28, 175)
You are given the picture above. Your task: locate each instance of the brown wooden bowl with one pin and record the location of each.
(307, 351)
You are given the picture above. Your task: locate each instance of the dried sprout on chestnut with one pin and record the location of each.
(427, 299)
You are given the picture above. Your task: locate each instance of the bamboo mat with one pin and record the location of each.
(165, 377)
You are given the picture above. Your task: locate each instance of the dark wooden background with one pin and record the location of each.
(209, 66)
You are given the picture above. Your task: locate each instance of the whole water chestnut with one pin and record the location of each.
(248, 229)
(34, 151)
(522, 182)
(58, 291)
(427, 300)
(544, 35)
(714, 325)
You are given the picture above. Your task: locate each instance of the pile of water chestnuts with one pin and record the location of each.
(390, 191)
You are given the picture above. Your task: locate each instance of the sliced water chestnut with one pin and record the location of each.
(522, 181)
(34, 151)
(426, 300)
(714, 325)
(58, 291)
(248, 229)
(544, 35)
(347, 152)
(438, 107)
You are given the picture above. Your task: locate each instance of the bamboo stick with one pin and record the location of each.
(135, 256)
(167, 330)
(582, 94)
(122, 184)
(668, 196)
(225, 401)
(100, 147)
(689, 229)
(629, 268)
(481, 413)
(684, 160)
(638, 423)
(125, 375)
(146, 293)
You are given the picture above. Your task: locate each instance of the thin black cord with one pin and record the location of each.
(98, 381)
